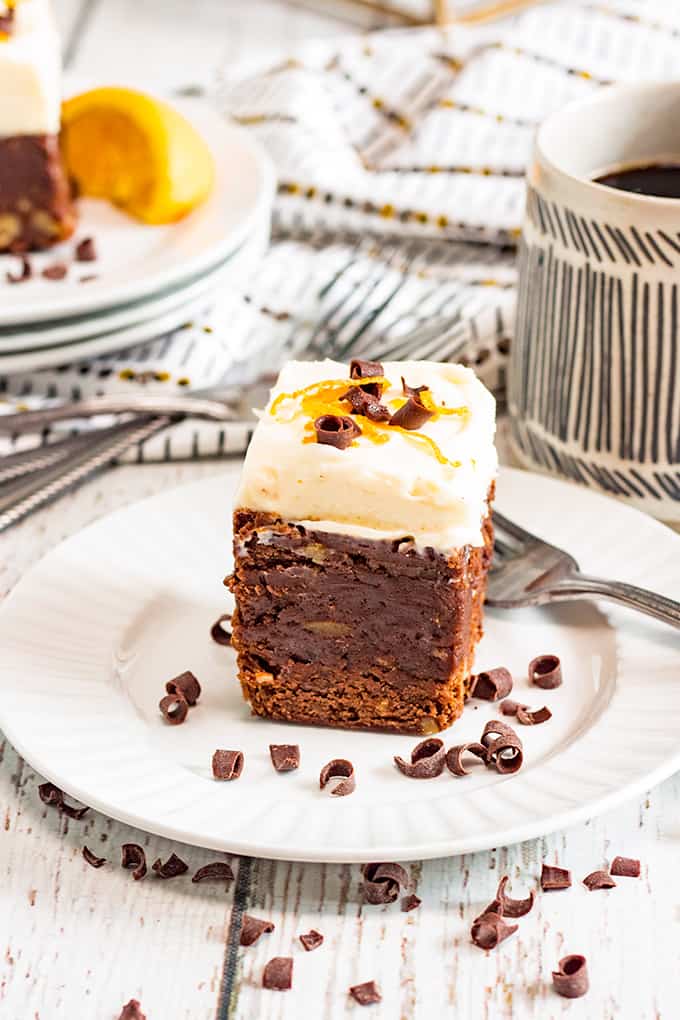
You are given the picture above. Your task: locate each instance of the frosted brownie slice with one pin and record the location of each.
(35, 202)
(362, 540)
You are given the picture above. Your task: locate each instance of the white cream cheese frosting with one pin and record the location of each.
(431, 484)
(30, 72)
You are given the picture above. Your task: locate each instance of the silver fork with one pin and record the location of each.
(526, 571)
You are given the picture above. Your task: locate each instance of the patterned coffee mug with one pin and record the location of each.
(594, 378)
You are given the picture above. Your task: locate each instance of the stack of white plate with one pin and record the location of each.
(146, 281)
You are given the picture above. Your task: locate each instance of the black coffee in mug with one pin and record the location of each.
(660, 180)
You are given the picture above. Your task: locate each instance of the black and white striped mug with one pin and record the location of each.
(594, 378)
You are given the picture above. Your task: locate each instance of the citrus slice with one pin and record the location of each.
(137, 152)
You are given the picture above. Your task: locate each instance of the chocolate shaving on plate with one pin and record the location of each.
(312, 940)
(383, 882)
(504, 750)
(359, 369)
(427, 760)
(454, 757)
(510, 707)
(185, 684)
(57, 271)
(489, 930)
(86, 250)
(252, 928)
(625, 867)
(171, 868)
(174, 708)
(364, 403)
(366, 994)
(412, 391)
(227, 764)
(553, 877)
(285, 757)
(545, 671)
(92, 859)
(26, 271)
(132, 1011)
(219, 633)
(410, 902)
(53, 796)
(412, 414)
(336, 430)
(217, 871)
(491, 685)
(133, 858)
(278, 974)
(508, 907)
(529, 717)
(571, 977)
(598, 880)
(338, 768)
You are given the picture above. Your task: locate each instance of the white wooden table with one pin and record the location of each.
(78, 943)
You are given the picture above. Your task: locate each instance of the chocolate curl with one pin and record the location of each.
(427, 760)
(545, 671)
(338, 768)
(336, 430)
(360, 369)
(571, 977)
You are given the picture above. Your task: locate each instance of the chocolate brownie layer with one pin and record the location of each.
(35, 200)
(340, 631)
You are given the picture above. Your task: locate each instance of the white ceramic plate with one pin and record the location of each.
(134, 259)
(151, 324)
(91, 634)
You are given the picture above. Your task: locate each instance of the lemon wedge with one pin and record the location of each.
(137, 152)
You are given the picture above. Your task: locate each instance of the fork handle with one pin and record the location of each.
(661, 608)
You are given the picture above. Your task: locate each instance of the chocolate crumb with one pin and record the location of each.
(366, 994)
(185, 684)
(57, 271)
(53, 796)
(491, 685)
(383, 882)
(312, 940)
(571, 977)
(598, 880)
(252, 928)
(454, 757)
(553, 877)
(133, 859)
(625, 867)
(285, 757)
(92, 859)
(527, 717)
(338, 768)
(132, 1011)
(217, 871)
(508, 907)
(278, 974)
(410, 902)
(489, 930)
(86, 250)
(171, 868)
(227, 764)
(219, 633)
(25, 273)
(545, 671)
(174, 708)
(88, 278)
(427, 760)
(336, 430)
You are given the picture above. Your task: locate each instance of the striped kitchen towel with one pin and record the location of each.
(401, 159)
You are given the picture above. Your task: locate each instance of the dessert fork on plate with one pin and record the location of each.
(526, 571)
